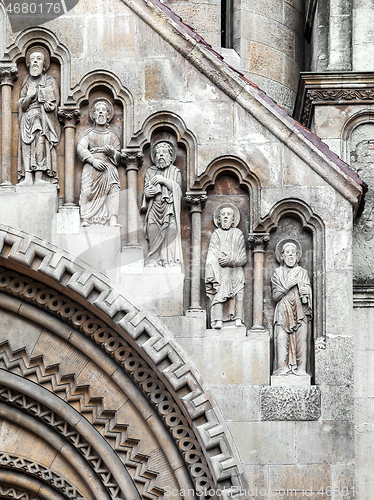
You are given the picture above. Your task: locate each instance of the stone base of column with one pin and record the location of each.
(258, 331)
(68, 219)
(7, 186)
(287, 380)
(132, 259)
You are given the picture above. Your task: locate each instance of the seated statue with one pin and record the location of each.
(292, 293)
(99, 150)
(224, 273)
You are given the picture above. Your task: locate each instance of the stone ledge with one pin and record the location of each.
(290, 403)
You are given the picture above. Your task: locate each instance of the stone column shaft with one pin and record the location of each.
(133, 161)
(8, 73)
(258, 242)
(196, 202)
(69, 117)
(340, 36)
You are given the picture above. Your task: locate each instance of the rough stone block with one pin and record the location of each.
(333, 442)
(265, 442)
(337, 403)
(334, 365)
(290, 403)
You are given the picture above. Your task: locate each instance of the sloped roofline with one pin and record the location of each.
(250, 97)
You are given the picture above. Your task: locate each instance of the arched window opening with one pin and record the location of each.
(227, 24)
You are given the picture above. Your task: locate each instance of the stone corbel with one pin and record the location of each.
(69, 116)
(196, 202)
(8, 74)
(133, 160)
(258, 242)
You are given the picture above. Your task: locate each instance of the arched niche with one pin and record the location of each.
(294, 219)
(358, 138)
(79, 325)
(59, 69)
(236, 168)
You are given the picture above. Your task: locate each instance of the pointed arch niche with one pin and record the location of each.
(98, 392)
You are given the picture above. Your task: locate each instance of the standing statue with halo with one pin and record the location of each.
(224, 270)
(292, 292)
(100, 151)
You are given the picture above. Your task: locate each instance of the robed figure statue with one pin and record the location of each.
(224, 270)
(292, 292)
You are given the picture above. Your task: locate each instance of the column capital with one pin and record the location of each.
(258, 241)
(69, 116)
(132, 159)
(8, 73)
(196, 200)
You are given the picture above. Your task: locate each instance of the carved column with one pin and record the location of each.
(258, 242)
(69, 117)
(196, 202)
(8, 73)
(133, 160)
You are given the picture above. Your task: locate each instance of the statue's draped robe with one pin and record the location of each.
(291, 339)
(39, 130)
(99, 188)
(226, 284)
(162, 220)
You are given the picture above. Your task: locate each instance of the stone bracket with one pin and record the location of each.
(290, 403)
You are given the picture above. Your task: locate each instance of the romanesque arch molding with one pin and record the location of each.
(133, 340)
(247, 179)
(312, 223)
(42, 35)
(355, 120)
(107, 79)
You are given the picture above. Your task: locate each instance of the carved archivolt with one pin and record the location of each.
(148, 338)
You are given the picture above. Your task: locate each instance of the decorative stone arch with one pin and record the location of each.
(107, 79)
(183, 135)
(40, 34)
(354, 121)
(247, 179)
(315, 225)
(133, 340)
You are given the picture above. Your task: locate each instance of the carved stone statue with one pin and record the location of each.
(99, 150)
(162, 197)
(292, 293)
(224, 273)
(39, 126)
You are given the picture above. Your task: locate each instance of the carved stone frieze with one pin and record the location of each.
(12, 461)
(290, 403)
(94, 289)
(16, 493)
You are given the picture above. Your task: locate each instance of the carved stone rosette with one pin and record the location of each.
(8, 74)
(196, 202)
(69, 117)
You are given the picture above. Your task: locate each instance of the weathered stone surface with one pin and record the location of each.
(290, 403)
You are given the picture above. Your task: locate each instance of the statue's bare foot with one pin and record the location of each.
(217, 325)
(238, 322)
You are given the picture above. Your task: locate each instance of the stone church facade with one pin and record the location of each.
(186, 244)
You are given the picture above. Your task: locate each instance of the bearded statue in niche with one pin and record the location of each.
(99, 150)
(162, 195)
(224, 270)
(39, 127)
(292, 292)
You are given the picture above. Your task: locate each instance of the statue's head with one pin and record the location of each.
(290, 254)
(163, 154)
(101, 111)
(37, 60)
(227, 218)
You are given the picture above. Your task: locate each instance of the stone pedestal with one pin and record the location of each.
(68, 220)
(290, 380)
(31, 209)
(157, 289)
(99, 246)
(132, 260)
